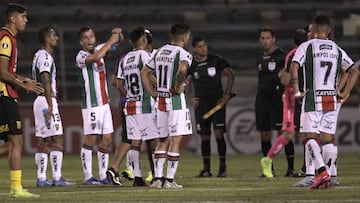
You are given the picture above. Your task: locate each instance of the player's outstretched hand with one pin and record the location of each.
(33, 86)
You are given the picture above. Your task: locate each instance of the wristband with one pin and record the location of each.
(297, 94)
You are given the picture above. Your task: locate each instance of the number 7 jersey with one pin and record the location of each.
(322, 61)
(166, 63)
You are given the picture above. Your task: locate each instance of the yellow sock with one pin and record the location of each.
(15, 178)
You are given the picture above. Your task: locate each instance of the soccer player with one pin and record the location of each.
(48, 123)
(268, 104)
(97, 118)
(288, 124)
(322, 59)
(205, 71)
(140, 119)
(15, 17)
(171, 63)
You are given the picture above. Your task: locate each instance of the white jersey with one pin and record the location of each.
(138, 101)
(166, 62)
(44, 62)
(322, 61)
(93, 80)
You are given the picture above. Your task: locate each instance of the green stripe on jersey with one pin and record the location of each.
(309, 74)
(338, 65)
(83, 90)
(93, 98)
(176, 99)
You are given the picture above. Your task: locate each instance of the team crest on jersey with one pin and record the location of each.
(93, 126)
(5, 45)
(271, 66)
(211, 71)
(46, 64)
(325, 46)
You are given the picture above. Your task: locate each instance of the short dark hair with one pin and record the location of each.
(135, 33)
(148, 36)
(43, 33)
(179, 29)
(266, 29)
(83, 29)
(196, 39)
(13, 8)
(322, 20)
(300, 36)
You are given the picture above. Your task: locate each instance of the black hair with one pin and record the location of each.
(300, 36)
(196, 39)
(322, 20)
(13, 8)
(148, 36)
(266, 29)
(43, 33)
(83, 29)
(179, 29)
(135, 33)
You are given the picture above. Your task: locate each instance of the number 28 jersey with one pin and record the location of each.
(322, 61)
(138, 101)
(166, 63)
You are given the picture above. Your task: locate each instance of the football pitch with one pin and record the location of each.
(242, 183)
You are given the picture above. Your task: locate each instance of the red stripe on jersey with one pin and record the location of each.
(162, 104)
(131, 107)
(328, 103)
(104, 96)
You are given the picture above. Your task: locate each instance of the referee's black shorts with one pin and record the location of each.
(203, 127)
(268, 111)
(10, 121)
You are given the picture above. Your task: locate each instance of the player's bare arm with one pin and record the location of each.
(29, 85)
(285, 77)
(146, 74)
(295, 80)
(181, 77)
(120, 87)
(351, 81)
(45, 78)
(116, 36)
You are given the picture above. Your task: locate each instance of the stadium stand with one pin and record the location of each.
(230, 25)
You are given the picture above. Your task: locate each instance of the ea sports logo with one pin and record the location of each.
(242, 134)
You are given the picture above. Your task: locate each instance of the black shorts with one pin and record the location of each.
(268, 111)
(124, 137)
(203, 127)
(10, 121)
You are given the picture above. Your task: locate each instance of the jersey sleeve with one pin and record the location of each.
(81, 59)
(346, 61)
(120, 73)
(222, 63)
(44, 62)
(151, 60)
(186, 56)
(300, 54)
(5, 47)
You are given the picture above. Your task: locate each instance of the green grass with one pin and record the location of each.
(241, 185)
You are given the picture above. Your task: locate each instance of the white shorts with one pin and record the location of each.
(41, 129)
(97, 120)
(174, 123)
(319, 121)
(141, 127)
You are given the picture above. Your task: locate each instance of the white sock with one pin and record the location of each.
(330, 152)
(130, 159)
(103, 159)
(314, 151)
(86, 160)
(136, 163)
(159, 164)
(172, 165)
(56, 158)
(41, 161)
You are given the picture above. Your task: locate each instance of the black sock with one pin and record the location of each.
(289, 152)
(265, 147)
(221, 144)
(205, 151)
